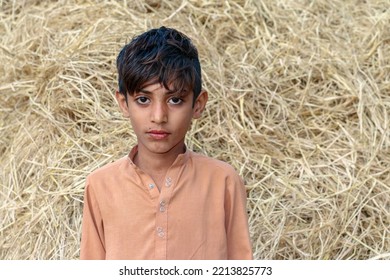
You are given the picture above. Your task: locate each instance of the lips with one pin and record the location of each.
(158, 134)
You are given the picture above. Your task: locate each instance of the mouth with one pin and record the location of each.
(158, 134)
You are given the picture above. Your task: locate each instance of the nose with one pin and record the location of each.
(159, 113)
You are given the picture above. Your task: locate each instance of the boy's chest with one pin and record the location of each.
(140, 209)
(160, 195)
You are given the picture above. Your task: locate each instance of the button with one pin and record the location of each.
(151, 186)
(160, 232)
(162, 205)
(168, 182)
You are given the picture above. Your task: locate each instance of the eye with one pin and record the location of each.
(175, 100)
(142, 100)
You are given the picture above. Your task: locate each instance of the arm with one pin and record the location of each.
(92, 239)
(236, 220)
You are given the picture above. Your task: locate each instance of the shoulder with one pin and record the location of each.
(219, 175)
(109, 170)
(213, 166)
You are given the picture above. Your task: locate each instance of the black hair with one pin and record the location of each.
(162, 55)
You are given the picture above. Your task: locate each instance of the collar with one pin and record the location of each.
(180, 160)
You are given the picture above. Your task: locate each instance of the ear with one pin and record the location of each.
(122, 104)
(200, 104)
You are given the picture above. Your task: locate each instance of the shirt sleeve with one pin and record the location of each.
(236, 220)
(92, 238)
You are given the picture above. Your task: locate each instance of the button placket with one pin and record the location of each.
(162, 214)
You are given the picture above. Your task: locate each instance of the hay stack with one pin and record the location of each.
(299, 104)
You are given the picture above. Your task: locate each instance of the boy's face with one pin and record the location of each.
(161, 118)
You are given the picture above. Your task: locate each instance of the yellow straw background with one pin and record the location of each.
(299, 105)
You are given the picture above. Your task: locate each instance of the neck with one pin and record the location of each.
(153, 163)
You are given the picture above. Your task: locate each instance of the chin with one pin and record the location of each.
(162, 148)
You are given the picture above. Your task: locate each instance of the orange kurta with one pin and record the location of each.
(200, 212)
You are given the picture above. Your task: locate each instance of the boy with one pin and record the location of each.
(163, 201)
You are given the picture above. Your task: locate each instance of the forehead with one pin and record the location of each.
(154, 87)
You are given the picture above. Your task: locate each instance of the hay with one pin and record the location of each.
(299, 105)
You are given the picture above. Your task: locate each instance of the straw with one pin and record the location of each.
(299, 104)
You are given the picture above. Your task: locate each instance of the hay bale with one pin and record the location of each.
(299, 104)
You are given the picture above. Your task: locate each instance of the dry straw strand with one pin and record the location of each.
(299, 105)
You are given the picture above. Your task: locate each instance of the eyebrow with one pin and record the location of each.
(168, 92)
(149, 92)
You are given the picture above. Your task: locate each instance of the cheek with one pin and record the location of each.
(185, 120)
(136, 120)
